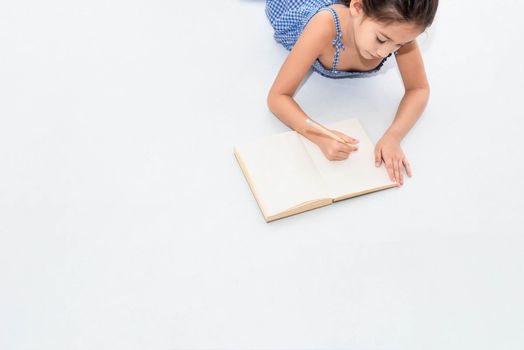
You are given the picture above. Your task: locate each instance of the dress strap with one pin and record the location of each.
(337, 42)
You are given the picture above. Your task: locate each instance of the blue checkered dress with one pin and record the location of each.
(289, 17)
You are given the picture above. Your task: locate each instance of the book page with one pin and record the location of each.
(281, 172)
(355, 175)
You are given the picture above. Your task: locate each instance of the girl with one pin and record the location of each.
(348, 39)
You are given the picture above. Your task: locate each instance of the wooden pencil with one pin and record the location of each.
(325, 131)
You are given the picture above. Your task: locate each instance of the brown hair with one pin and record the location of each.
(420, 12)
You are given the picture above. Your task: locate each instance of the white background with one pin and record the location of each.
(126, 223)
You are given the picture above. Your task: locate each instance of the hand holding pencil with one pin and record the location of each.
(334, 144)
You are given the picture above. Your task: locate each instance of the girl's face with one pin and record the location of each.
(377, 40)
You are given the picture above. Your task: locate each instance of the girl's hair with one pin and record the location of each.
(420, 12)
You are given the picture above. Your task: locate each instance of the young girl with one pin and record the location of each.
(347, 39)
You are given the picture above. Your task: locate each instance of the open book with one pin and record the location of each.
(288, 174)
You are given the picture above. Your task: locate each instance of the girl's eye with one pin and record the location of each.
(382, 42)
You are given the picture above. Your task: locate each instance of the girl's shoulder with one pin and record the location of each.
(323, 19)
(322, 22)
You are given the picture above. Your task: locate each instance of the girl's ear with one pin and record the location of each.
(355, 7)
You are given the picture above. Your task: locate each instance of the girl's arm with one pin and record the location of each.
(416, 90)
(317, 33)
(411, 106)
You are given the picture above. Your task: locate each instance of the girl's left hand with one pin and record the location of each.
(388, 149)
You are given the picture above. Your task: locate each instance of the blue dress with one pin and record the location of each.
(289, 17)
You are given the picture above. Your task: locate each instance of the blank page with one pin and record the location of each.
(282, 173)
(355, 175)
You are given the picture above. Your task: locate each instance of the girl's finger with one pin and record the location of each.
(346, 138)
(378, 157)
(352, 140)
(408, 167)
(345, 148)
(395, 168)
(389, 168)
(349, 148)
(349, 139)
(400, 172)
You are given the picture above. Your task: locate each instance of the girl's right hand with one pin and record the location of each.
(335, 150)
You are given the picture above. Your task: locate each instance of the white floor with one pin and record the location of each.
(126, 223)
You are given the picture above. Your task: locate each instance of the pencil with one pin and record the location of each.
(325, 131)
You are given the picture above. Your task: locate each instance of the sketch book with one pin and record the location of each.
(288, 174)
